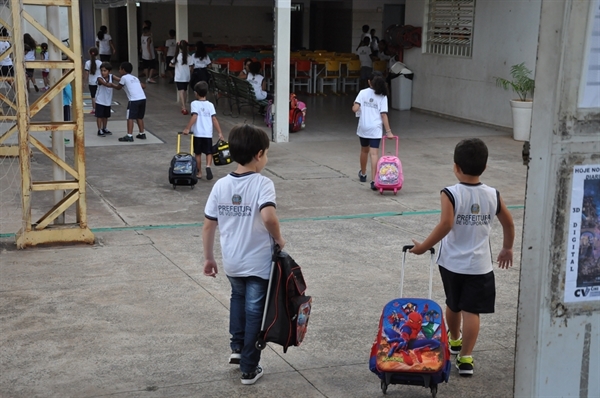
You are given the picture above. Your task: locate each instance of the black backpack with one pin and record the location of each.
(287, 308)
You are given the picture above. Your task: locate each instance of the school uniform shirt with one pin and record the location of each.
(201, 62)
(5, 46)
(171, 45)
(256, 81)
(371, 107)
(204, 125)
(147, 54)
(182, 71)
(30, 55)
(45, 55)
(466, 249)
(93, 78)
(235, 203)
(104, 45)
(104, 94)
(364, 55)
(133, 87)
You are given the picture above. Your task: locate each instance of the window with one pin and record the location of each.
(450, 27)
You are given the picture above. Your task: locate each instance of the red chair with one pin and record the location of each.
(235, 66)
(302, 75)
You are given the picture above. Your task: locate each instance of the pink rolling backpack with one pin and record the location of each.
(389, 175)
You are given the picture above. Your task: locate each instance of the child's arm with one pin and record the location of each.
(217, 127)
(86, 75)
(116, 78)
(208, 241)
(505, 257)
(269, 217)
(101, 82)
(356, 107)
(193, 119)
(386, 125)
(441, 229)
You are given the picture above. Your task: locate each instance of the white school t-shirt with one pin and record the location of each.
(171, 45)
(364, 54)
(466, 249)
(147, 54)
(201, 62)
(235, 203)
(104, 45)
(204, 124)
(5, 46)
(29, 55)
(93, 78)
(371, 107)
(104, 94)
(182, 71)
(256, 81)
(133, 87)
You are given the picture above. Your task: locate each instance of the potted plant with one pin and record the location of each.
(523, 85)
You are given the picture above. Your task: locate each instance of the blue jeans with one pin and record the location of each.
(245, 318)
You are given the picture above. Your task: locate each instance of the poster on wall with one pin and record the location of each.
(582, 282)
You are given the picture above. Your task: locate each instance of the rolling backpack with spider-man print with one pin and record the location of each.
(411, 346)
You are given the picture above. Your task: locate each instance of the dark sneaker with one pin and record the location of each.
(454, 345)
(362, 177)
(373, 186)
(251, 378)
(235, 357)
(465, 365)
(106, 132)
(209, 175)
(141, 136)
(101, 133)
(37, 89)
(127, 138)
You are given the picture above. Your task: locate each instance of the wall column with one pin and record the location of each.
(181, 20)
(132, 39)
(281, 69)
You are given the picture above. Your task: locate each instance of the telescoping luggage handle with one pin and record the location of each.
(179, 134)
(276, 251)
(384, 139)
(406, 249)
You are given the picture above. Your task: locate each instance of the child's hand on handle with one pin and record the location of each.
(186, 131)
(505, 258)
(418, 248)
(389, 134)
(210, 268)
(280, 242)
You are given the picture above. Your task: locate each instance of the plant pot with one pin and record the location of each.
(521, 112)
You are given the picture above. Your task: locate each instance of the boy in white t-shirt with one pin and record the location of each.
(171, 45)
(242, 204)
(366, 61)
(204, 118)
(104, 98)
(465, 255)
(136, 108)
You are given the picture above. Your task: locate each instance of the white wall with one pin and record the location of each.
(39, 14)
(505, 34)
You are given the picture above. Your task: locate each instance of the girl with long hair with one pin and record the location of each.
(183, 63)
(104, 44)
(92, 73)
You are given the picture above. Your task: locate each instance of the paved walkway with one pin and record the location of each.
(132, 315)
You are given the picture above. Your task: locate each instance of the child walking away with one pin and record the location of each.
(92, 73)
(136, 108)
(201, 63)
(464, 256)
(104, 98)
(371, 105)
(366, 61)
(45, 72)
(202, 121)
(148, 54)
(183, 64)
(30, 47)
(171, 45)
(248, 226)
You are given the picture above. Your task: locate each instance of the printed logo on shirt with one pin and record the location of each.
(236, 199)
(236, 209)
(475, 208)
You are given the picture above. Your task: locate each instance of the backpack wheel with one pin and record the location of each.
(260, 344)
(383, 387)
(381, 191)
(395, 191)
(433, 390)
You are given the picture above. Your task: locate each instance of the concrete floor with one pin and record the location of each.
(132, 315)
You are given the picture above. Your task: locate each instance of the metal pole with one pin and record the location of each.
(56, 106)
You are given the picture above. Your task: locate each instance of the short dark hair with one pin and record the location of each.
(106, 65)
(172, 32)
(366, 41)
(145, 29)
(4, 32)
(246, 141)
(148, 23)
(201, 88)
(365, 28)
(471, 156)
(254, 67)
(127, 67)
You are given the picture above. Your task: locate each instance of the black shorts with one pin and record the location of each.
(365, 72)
(371, 142)
(471, 293)
(102, 111)
(93, 89)
(136, 109)
(169, 66)
(182, 86)
(148, 64)
(29, 72)
(105, 57)
(202, 145)
(7, 70)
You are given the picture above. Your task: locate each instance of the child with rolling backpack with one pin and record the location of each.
(389, 171)
(411, 346)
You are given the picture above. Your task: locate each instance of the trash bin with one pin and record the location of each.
(401, 86)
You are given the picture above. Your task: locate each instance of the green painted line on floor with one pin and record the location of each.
(319, 218)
